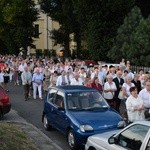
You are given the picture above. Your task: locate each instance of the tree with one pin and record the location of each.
(16, 26)
(99, 21)
(123, 40)
(140, 46)
(61, 11)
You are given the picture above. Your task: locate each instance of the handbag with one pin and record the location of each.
(121, 95)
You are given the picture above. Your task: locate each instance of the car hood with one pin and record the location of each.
(97, 119)
(104, 136)
(102, 139)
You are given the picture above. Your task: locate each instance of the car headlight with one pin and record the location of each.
(121, 124)
(86, 128)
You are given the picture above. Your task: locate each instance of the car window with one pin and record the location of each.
(51, 95)
(133, 137)
(85, 100)
(59, 100)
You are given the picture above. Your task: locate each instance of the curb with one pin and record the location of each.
(41, 140)
(29, 129)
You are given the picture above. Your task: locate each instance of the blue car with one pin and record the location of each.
(79, 112)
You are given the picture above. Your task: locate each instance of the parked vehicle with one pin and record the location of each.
(5, 105)
(90, 62)
(136, 136)
(79, 112)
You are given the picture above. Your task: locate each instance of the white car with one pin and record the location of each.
(135, 136)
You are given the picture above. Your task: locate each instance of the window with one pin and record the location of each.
(133, 137)
(85, 100)
(51, 95)
(59, 101)
(36, 31)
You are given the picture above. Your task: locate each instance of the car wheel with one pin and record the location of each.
(46, 124)
(71, 140)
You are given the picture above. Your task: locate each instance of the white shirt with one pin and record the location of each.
(21, 67)
(60, 81)
(107, 86)
(131, 104)
(145, 95)
(75, 82)
(127, 87)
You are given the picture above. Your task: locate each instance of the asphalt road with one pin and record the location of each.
(31, 111)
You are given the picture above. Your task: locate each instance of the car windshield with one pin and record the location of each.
(85, 101)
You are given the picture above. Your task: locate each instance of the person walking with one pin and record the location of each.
(62, 79)
(37, 81)
(6, 72)
(126, 93)
(26, 78)
(53, 79)
(135, 106)
(118, 82)
(76, 80)
(145, 95)
(96, 85)
(1, 78)
(109, 90)
(46, 80)
(137, 82)
(21, 67)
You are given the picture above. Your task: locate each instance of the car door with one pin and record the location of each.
(146, 142)
(131, 139)
(49, 106)
(59, 112)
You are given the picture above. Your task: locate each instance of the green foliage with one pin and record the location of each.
(13, 137)
(133, 39)
(47, 52)
(140, 46)
(123, 39)
(16, 26)
(38, 52)
(99, 21)
(62, 12)
(53, 53)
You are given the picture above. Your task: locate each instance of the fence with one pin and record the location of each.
(137, 68)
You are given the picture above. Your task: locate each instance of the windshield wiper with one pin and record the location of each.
(91, 108)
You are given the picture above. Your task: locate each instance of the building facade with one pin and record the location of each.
(43, 27)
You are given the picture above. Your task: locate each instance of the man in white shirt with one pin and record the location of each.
(62, 79)
(145, 95)
(21, 69)
(76, 80)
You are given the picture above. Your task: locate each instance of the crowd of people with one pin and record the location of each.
(110, 81)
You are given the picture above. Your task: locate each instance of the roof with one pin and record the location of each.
(74, 88)
(147, 123)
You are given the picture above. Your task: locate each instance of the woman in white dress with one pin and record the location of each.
(134, 106)
(109, 89)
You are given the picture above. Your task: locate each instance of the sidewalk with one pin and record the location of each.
(42, 141)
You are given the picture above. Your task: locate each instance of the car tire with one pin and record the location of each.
(71, 140)
(46, 124)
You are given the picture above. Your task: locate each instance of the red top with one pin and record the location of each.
(97, 87)
(1, 66)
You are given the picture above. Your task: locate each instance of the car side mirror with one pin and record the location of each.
(111, 140)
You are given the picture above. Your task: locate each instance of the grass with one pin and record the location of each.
(13, 138)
